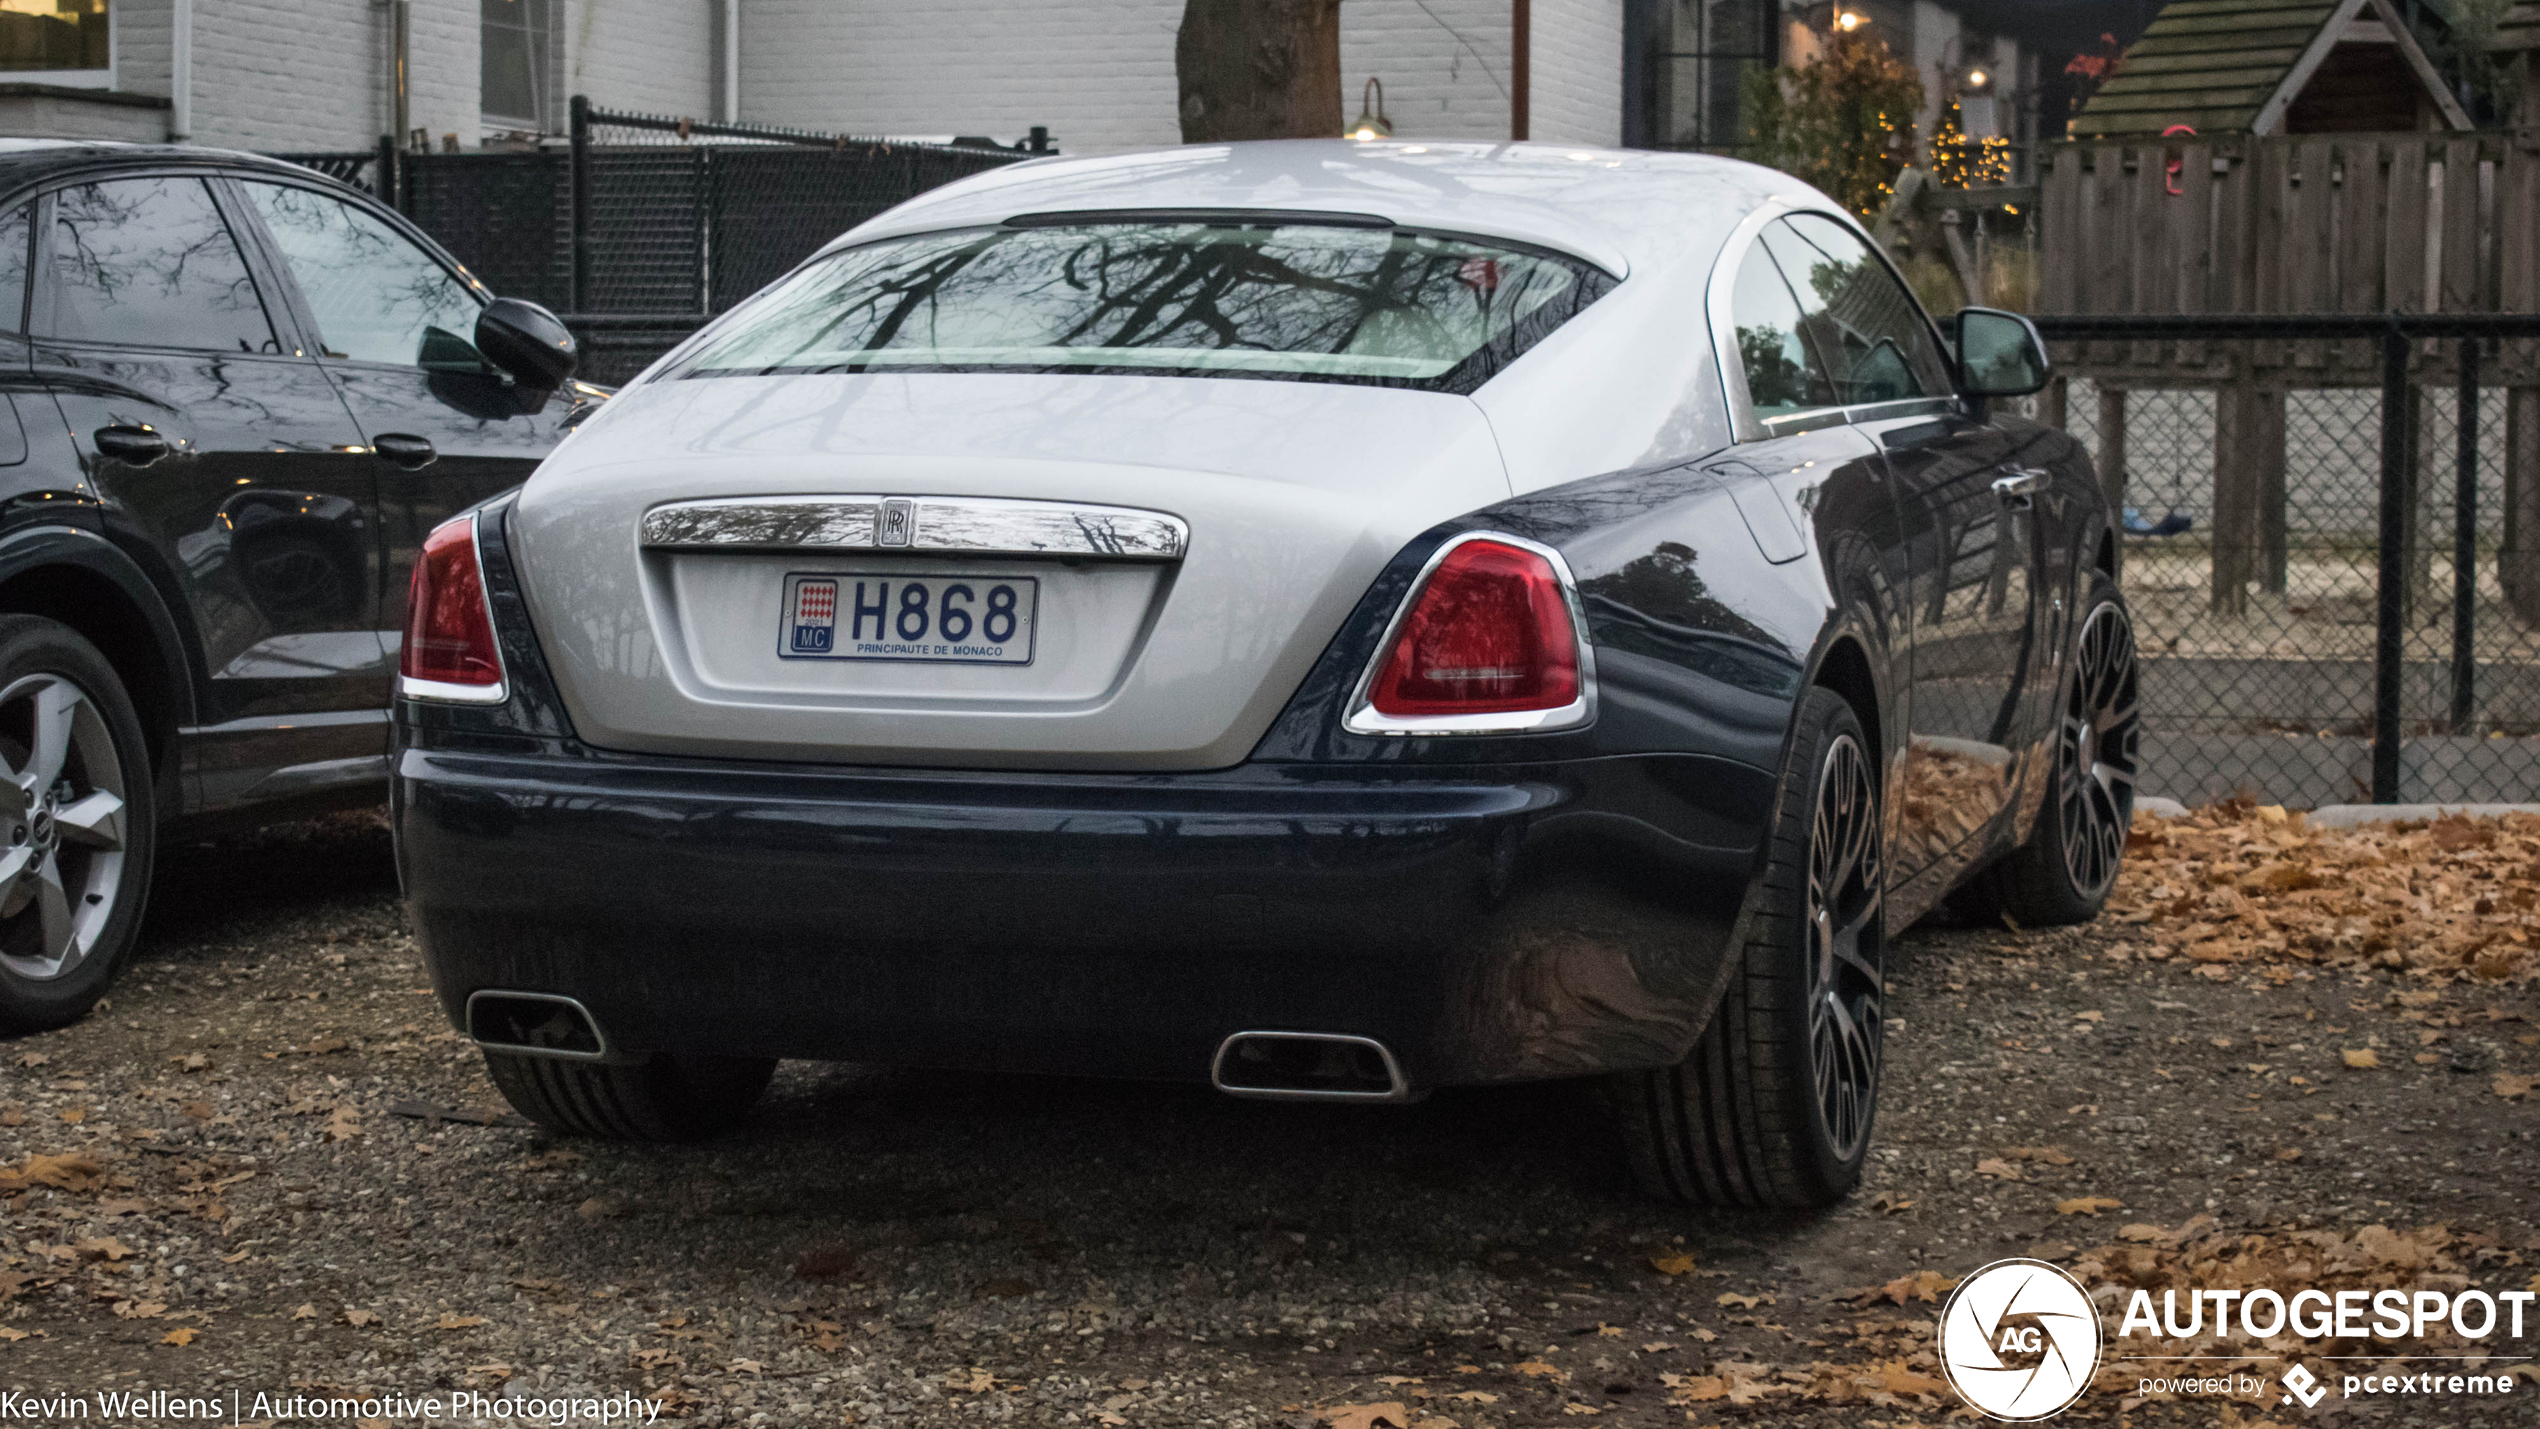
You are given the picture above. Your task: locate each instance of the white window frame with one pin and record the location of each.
(79, 78)
(547, 123)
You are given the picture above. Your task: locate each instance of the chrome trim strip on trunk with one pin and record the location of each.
(917, 526)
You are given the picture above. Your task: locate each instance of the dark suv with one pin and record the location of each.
(238, 396)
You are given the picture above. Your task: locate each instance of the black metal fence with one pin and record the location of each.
(640, 226)
(2335, 578)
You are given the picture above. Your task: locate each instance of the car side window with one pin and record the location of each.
(1865, 327)
(150, 262)
(1782, 374)
(15, 240)
(376, 296)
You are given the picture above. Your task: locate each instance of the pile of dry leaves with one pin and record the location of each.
(2244, 884)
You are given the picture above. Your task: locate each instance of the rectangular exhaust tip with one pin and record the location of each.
(1308, 1066)
(535, 1024)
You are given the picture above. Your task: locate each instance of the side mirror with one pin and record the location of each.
(2000, 354)
(527, 341)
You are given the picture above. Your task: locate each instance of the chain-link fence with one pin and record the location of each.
(640, 226)
(2329, 551)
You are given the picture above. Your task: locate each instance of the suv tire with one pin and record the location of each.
(78, 824)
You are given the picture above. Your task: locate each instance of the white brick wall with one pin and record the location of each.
(312, 74)
(650, 56)
(1099, 73)
(306, 75)
(1577, 93)
(1445, 64)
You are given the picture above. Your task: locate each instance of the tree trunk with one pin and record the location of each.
(1259, 69)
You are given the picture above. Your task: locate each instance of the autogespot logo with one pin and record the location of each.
(2019, 1340)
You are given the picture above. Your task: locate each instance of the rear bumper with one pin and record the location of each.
(1485, 924)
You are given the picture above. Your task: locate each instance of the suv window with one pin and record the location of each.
(1867, 332)
(376, 296)
(149, 261)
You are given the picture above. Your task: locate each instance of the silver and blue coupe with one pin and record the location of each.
(1330, 620)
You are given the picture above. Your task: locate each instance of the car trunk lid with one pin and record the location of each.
(974, 570)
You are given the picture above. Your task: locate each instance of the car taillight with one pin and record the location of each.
(449, 652)
(1489, 632)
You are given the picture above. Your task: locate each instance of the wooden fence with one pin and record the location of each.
(2354, 224)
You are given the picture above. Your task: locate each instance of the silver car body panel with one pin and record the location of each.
(1293, 494)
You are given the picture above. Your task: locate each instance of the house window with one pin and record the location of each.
(1688, 65)
(56, 42)
(518, 74)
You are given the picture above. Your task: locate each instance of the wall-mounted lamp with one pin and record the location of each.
(1371, 122)
(1849, 20)
(1978, 79)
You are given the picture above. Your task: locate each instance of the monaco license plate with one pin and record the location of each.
(968, 620)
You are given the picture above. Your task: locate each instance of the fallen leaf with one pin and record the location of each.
(183, 1335)
(1731, 1300)
(2361, 1057)
(344, 1123)
(2513, 1088)
(307, 1311)
(458, 1322)
(2050, 1155)
(1679, 1264)
(1537, 1369)
(1475, 1396)
(604, 1207)
(74, 1115)
(1995, 1166)
(2088, 1205)
(1366, 1416)
(359, 1318)
(102, 1247)
(12, 1335)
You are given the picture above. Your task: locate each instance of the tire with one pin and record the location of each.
(662, 1099)
(1775, 1105)
(2062, 875)
(78, 824)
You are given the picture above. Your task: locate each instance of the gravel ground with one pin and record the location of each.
(239, 1191)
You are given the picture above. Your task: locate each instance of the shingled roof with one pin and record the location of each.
(2236, 66)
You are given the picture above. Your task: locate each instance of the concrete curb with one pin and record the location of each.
(2347, 816)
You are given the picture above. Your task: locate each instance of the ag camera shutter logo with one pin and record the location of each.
(2019, 1340)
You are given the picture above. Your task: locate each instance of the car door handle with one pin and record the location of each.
(133, 446)
(407, 453)
(2017, 488)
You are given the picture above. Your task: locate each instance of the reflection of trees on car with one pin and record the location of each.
(150, 261)
(1387, 304)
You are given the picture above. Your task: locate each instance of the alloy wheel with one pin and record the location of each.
(2095, 760)
(1846, 945)
(61, 826)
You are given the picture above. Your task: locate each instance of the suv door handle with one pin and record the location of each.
(2017, 488)
(133, 446)
(407, 453)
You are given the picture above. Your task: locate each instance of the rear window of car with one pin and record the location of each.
(1297, 302)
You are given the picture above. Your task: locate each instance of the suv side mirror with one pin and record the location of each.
(2000, 354)
(527, 341)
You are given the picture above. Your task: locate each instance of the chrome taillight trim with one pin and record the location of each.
(916, 526)
(448, 692)
(1364, 718)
